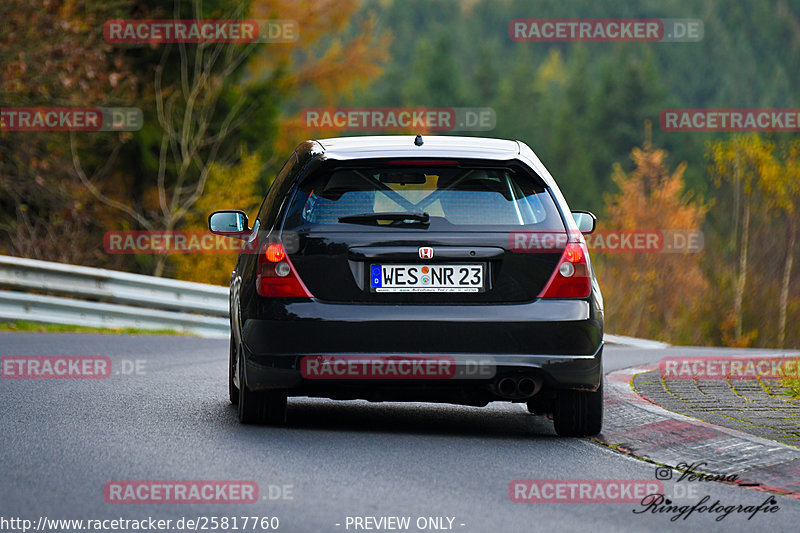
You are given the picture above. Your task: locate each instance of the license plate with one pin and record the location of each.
(427, 278)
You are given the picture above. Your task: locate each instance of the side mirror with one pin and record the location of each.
(229, 223)
(585, 221)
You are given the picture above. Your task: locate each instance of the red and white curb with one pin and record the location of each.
(644, 429)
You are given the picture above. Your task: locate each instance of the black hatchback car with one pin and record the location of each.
(403, 268)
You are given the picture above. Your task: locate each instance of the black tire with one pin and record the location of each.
(276, 407)
(233, 390)
(260, 407)
(252, 404)
(578, 413)
(539, 406)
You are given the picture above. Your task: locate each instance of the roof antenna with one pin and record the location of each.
(418, 140)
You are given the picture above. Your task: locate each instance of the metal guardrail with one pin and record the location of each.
(634, 342)
(110, 299)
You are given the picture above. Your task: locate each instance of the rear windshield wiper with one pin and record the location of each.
(373, 218)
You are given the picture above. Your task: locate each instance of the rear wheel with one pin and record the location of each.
(233, 390)
(251, 403)
(260, 407)
(540, 405)
(276, 407)
(578, 413)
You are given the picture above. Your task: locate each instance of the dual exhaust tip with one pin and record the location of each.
(517, 388)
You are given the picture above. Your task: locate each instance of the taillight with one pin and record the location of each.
(571, 276)
(277, 277)
(275, 253)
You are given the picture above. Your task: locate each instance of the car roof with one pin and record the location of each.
(433, 146)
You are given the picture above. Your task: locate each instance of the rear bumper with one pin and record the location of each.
(559, 341)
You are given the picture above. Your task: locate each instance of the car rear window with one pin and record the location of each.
(454, 198)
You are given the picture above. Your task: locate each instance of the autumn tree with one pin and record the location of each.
(192, 126)
(780, 195)
(746, 162)
(215, 267)
(652, 295)
(53, 55)
(212, 101)
(339, 51)
(786, 190)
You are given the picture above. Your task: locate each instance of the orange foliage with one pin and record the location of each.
(322, 65)
(653, 295)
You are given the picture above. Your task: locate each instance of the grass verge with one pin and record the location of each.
(24, 326)
(791, 381)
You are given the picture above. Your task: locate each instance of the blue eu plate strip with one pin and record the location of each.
(376, 275)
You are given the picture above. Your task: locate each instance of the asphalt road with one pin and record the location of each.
(61, 441)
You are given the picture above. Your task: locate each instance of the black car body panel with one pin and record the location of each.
(557, 341)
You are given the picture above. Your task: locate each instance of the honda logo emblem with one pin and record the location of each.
(426, 252)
